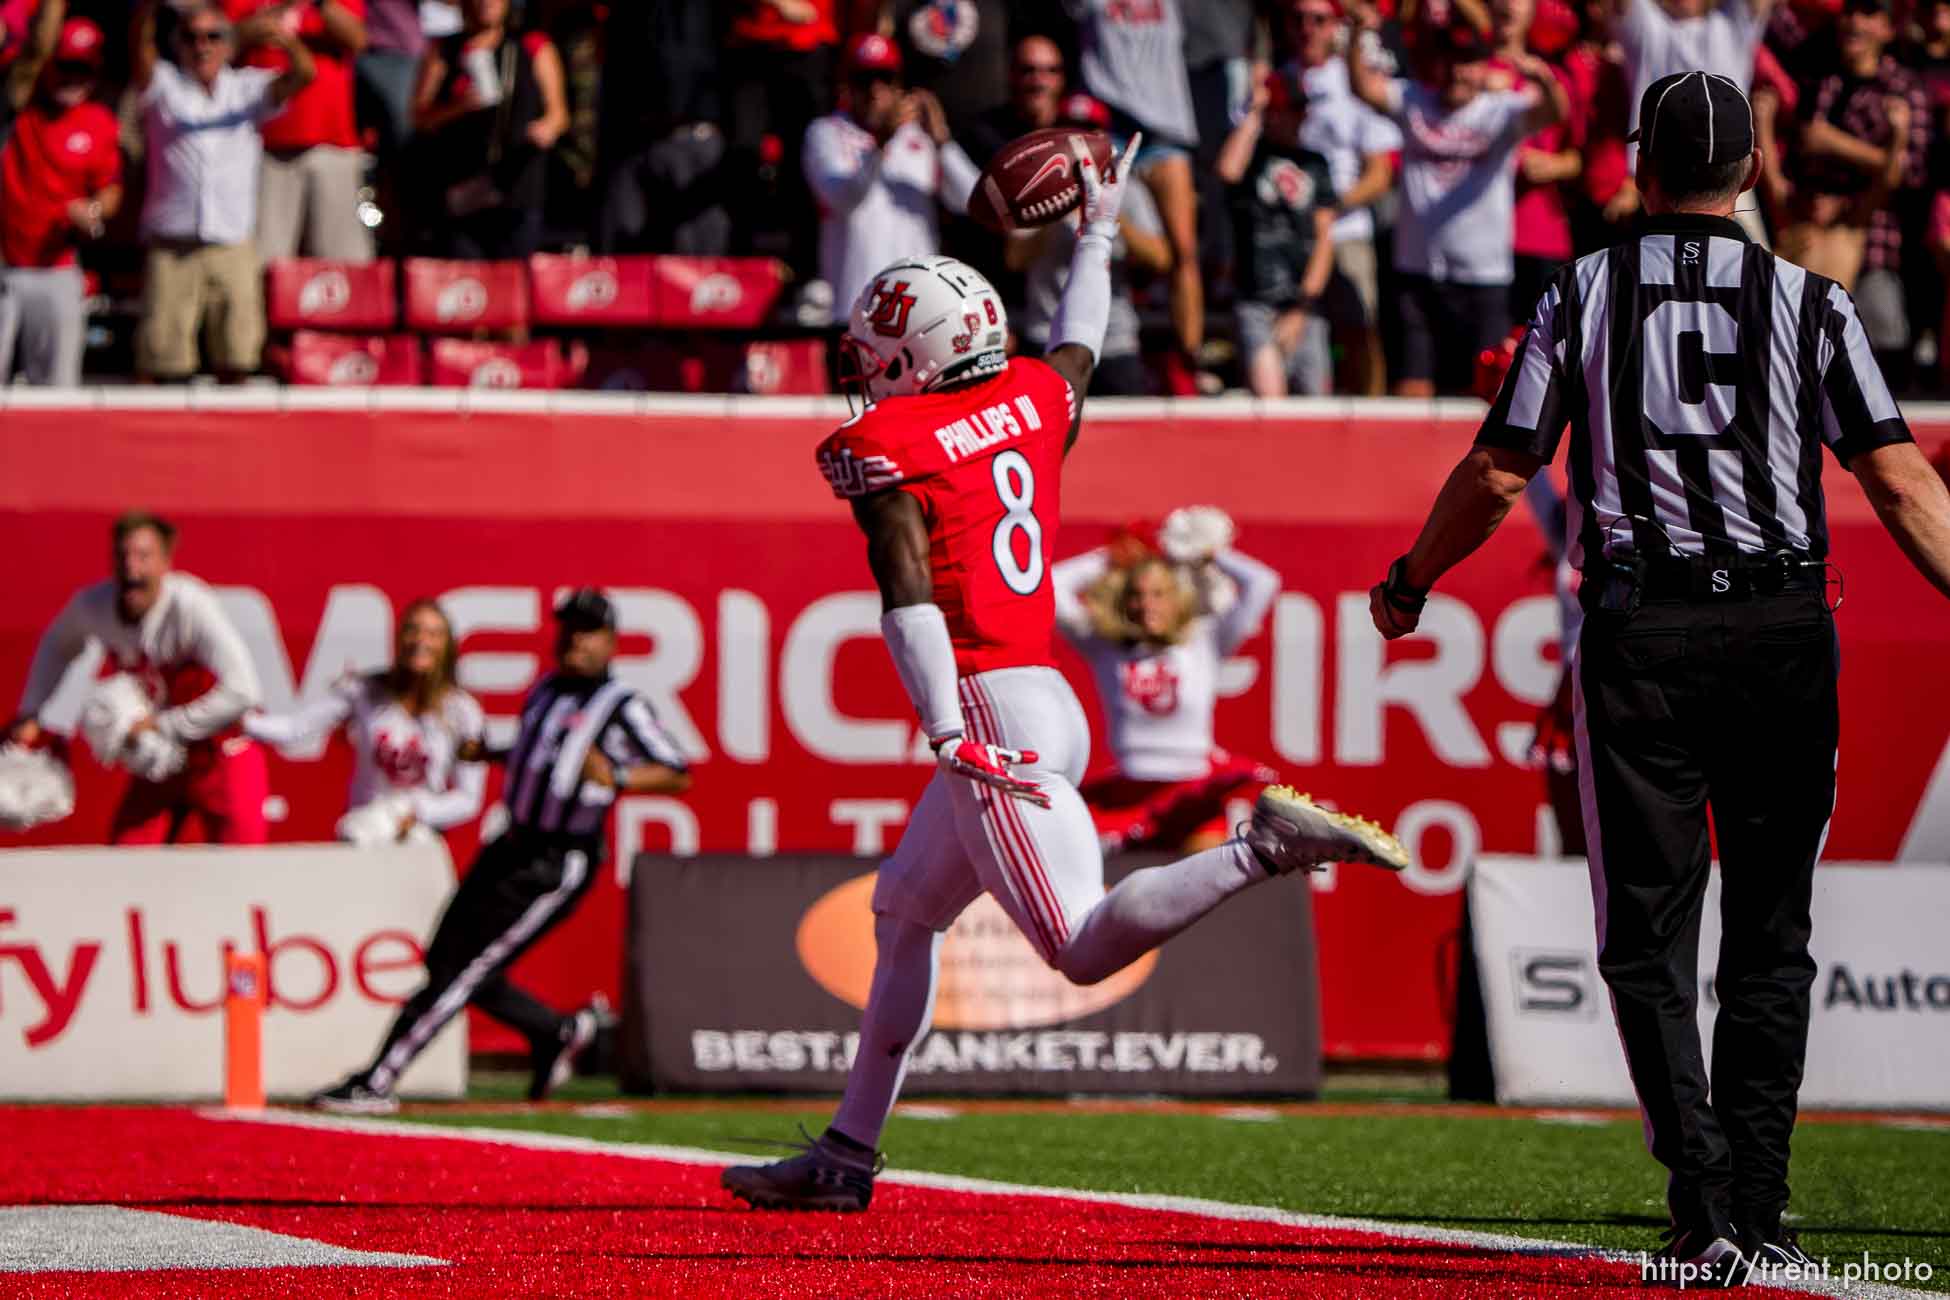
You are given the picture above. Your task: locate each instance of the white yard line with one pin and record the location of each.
(1193, 1205)
(116, 1239)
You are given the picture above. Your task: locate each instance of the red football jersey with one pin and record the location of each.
(986, 465)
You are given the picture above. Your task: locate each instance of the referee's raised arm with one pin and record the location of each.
(1703, 381)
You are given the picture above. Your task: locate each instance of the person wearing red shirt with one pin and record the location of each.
(1547, 161)
(308, 187)
(778, 66)
(60, 181)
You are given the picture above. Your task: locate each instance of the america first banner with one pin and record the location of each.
(750, 621)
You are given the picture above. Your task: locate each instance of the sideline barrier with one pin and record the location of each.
(113, 966)
(1880, 1032)
(749, 618)
(750, 974)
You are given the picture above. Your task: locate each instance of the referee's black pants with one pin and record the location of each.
(520, 887)
(1686, 706)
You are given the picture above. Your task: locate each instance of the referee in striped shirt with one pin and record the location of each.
(1702, 378)
(584, 738)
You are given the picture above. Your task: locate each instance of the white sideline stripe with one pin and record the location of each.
(1195, 1205)
(115, 1239)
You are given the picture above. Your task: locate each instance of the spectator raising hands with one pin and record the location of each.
(308, 184)
(1546, 162)
(200, 121)
(1453, 249)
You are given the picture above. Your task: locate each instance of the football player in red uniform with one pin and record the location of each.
(954, 474)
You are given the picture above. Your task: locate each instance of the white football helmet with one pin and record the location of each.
(924, 322)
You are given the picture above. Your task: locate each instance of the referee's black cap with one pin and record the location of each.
(586, 610)
(1700, 118)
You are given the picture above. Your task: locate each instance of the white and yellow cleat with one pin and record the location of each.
(1290, 832)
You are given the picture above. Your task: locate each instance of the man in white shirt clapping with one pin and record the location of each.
(879, 169)
(200, 118)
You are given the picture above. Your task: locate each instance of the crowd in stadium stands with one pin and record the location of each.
(1347, 196)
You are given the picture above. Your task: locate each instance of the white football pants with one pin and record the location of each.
(1043, 865)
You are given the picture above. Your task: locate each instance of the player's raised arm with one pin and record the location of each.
(1076, 334)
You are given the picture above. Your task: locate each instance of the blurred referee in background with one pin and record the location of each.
(584, 738)
(1701, 377)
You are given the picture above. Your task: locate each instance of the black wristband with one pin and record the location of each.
(1399, 592)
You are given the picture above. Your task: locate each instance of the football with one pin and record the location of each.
(1031, 182)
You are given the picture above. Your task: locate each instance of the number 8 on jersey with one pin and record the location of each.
(988, 475)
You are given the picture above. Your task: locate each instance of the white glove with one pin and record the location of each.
(989, 764)
(1103, 196)
(1194, 534)
(153, 756)
(35, 788)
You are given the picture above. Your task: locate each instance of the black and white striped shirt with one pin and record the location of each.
(561, 719)
(1701, 377)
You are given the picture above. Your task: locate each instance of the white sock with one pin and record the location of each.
(1149, 906)
(900, 1006)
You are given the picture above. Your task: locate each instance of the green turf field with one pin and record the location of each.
(1858, 1187)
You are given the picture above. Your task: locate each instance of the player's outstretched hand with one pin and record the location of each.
(990, 764)
(1103, 196)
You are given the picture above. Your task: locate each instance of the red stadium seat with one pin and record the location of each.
(311, 293)
(459, 297)
(350, 360)
(599, 291)
(716, 292)
(470, 363)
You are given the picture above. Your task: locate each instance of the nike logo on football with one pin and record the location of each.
(1057, 164)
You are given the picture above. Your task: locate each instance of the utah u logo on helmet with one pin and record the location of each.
(892, 303)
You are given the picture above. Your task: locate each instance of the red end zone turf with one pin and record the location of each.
(514, 1221)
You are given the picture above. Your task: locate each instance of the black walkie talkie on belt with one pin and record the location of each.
(1621, 576)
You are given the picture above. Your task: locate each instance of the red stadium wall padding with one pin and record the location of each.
(609, 292)
(749, 616)
(349, 360)
(310, 293)
(459, 297)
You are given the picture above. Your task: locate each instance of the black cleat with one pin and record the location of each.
(555, 1062)
(823, 1176)
(355, 1096)
(1703, 1256)
(1779, 1249)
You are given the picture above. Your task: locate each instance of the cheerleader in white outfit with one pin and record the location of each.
(406, 725)
(1155, 632)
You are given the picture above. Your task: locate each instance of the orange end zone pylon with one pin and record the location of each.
(243, 1030)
